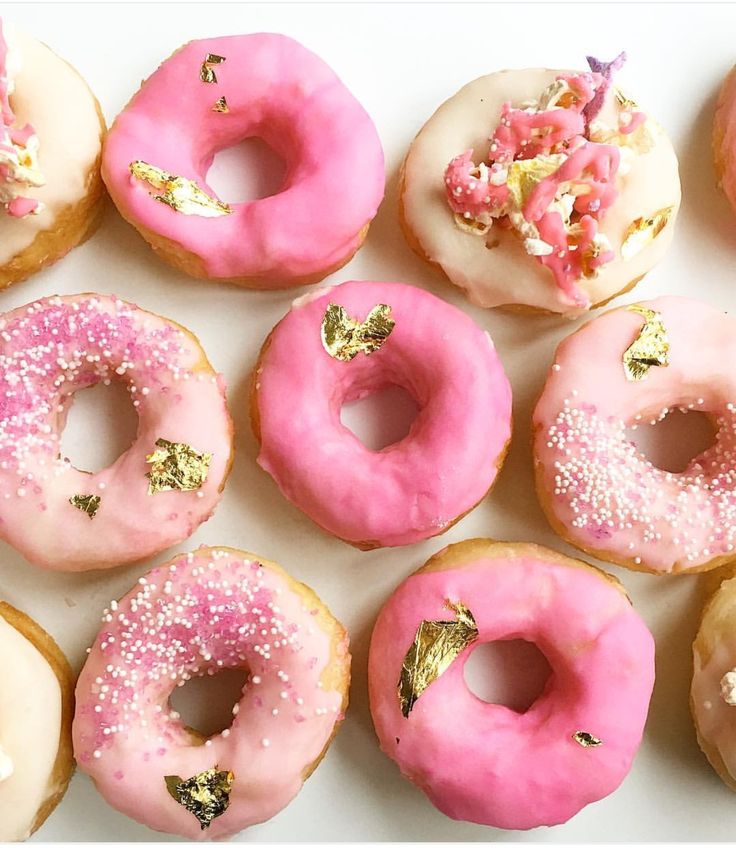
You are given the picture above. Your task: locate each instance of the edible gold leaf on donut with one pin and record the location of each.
(585, 739)
(176, 466)
(180, 194)
(437, 644)
(206, 73)
(642, 231)
(206, 795)
(221, 105)
(623, 101)
(343, 338)
(90, 504)
(650, 348)
(524, 175)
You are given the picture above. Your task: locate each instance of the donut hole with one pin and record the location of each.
(512, 673)
(205, 703)
(101, 424)
(247, 171)
(381, 418)
(673, 441)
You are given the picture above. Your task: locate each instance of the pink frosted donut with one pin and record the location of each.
(633, 365)
(487, 763)
(195, 616)
(159, 490)
(346, 342)
(212, 94)
(724, 137)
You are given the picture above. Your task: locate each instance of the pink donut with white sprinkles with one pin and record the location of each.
(630, 366)
(210, 610)
(159, 490)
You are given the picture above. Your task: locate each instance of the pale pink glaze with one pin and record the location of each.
(412, 489)
(195, 616)
(608, 497)
(48, 351)
(277, 90)
(487, 763)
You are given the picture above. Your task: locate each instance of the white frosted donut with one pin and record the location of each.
(497, 266)
(36, 706)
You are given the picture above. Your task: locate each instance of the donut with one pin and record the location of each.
(571, 203)
(212, 94)
(630, 366)
(724, 145)
(713, 691)
(51, 192)
(36, 708)
(213, 609)
(486, 763)
(347, 342)
(159, 490)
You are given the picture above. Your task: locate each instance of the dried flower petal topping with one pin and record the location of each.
(221, 105)
(650, 348)
(344, 338)
(176, 466)
(206, 72)
(642, 231)
(437, 644)
(90, 504)
(585, 739)
(180, 194)
(206, 795)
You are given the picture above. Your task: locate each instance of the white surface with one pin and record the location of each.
(402, 62)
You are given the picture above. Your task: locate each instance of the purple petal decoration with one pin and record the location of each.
(606, 70)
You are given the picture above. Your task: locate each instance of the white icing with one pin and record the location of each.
(30, 722)
(6, 765)
(728, 687)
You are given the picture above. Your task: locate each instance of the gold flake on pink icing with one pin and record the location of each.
(180, 194)
(643, 230)
(206, 72)
(89, 503)
(650, 348)
(221, 105)
(585, 739)
(437, 643)
(176, 466)
(206, 795)
(344, 338)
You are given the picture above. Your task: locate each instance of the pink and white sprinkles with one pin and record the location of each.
(18, 150)
(547, 179)
(203, 612)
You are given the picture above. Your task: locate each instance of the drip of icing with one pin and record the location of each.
(19, 169)
(6, 765)
(551, 175)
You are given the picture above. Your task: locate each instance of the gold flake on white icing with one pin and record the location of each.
(180, 194)
(644, 230)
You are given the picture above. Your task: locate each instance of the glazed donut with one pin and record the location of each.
(571, 204)
(633, 365)
(724, 142)
(200, 613)
(487, 763)
(36, 708)
(51, 192)
(212, 94)
(159, 490)
(713, 692)
(347, 342)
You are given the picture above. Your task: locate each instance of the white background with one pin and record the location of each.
(401, 62)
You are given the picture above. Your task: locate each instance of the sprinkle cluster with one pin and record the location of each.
(618, 501)
(194, 617)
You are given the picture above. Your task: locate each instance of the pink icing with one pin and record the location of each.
(19, 207)
(590, 167)
(195, 616)
(277, 90)
(417, 487)
(611, 500)
(487, 763)
(48, 351)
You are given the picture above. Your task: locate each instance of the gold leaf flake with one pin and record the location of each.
(176, 466)
(623, 101)
(437, 644)
(642, 231)
(221, 105)
(90, 504)
(206, 73)
(206, 795)
(525, 174)
(180, 194)
(650, 348)
(343, 338)
(585, 739)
